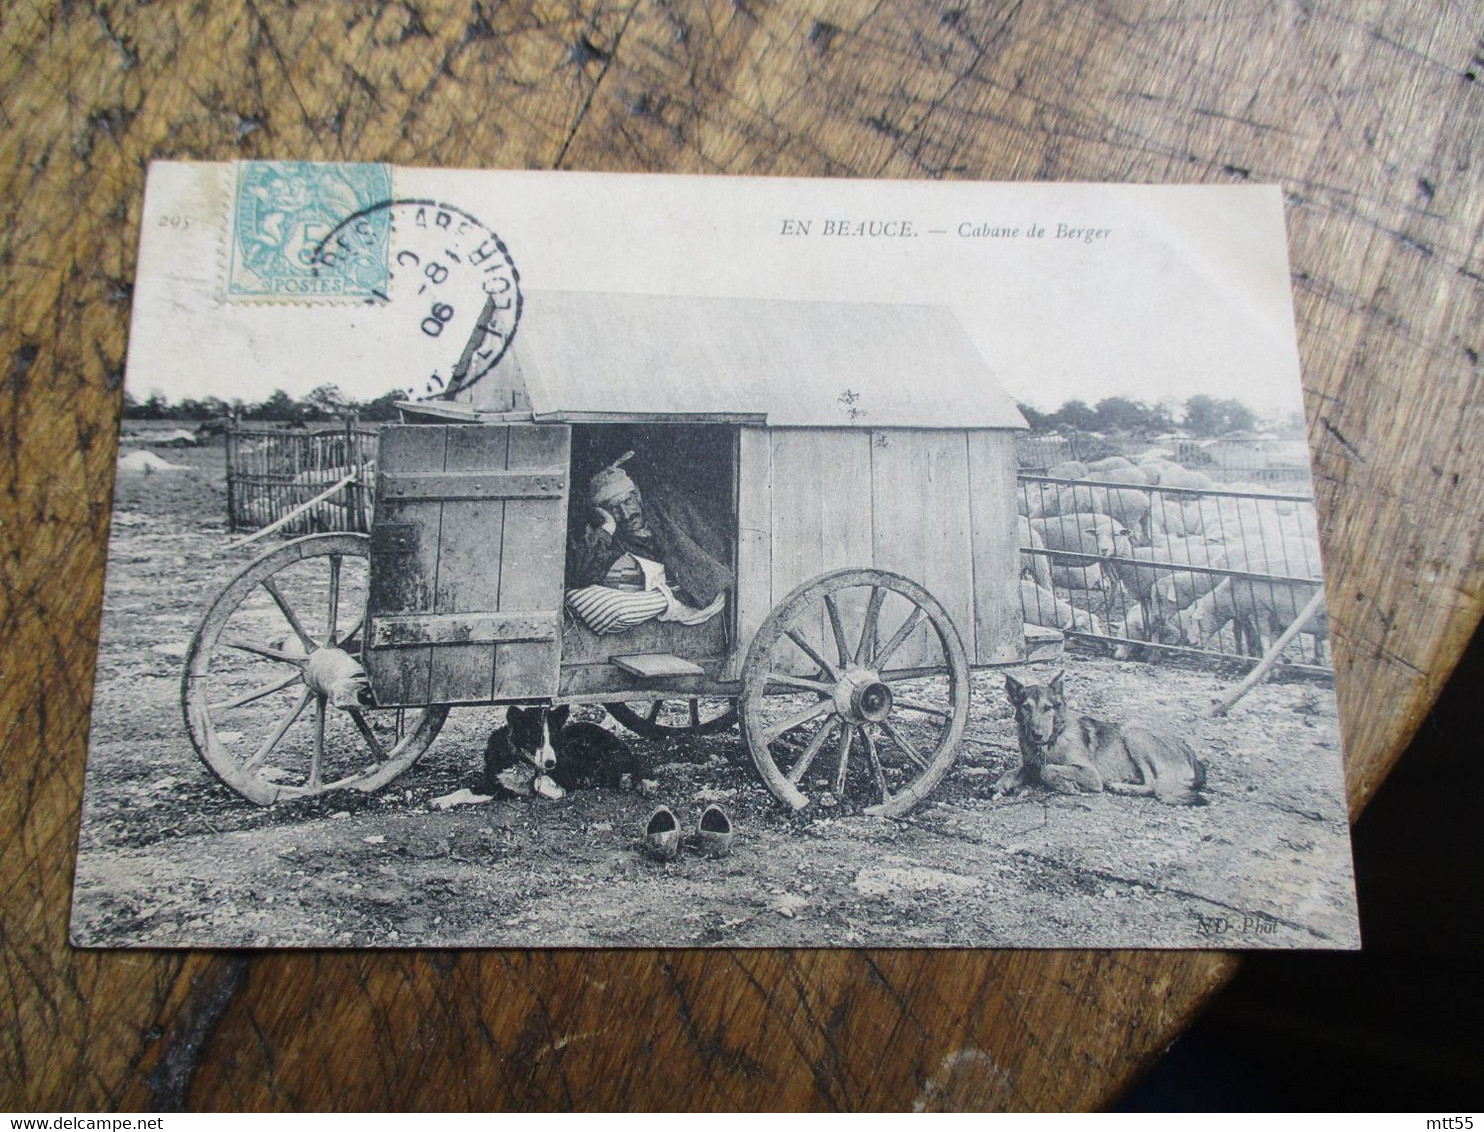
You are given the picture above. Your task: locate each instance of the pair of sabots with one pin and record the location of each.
(713, 836)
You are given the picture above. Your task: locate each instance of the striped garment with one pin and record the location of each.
(606, 610)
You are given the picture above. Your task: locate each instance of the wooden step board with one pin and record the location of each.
(656, 665)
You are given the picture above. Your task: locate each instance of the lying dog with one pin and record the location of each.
(1074, 753)
(539, 752)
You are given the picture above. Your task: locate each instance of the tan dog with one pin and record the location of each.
(1074, 753)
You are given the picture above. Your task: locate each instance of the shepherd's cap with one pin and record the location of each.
(610, 482)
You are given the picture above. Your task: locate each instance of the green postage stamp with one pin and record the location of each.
(281, 213)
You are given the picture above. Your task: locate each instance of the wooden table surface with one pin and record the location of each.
(1369, 114)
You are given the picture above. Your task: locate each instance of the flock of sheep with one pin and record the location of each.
(1107, 549)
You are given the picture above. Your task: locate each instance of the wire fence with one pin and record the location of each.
(1036, 452)
(1171, 570)
(1237, 458)
(273, 471)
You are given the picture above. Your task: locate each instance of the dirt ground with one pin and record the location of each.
(170, 857)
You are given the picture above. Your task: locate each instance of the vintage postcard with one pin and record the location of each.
(536, 559)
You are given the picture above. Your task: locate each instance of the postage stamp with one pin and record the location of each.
(283, 210)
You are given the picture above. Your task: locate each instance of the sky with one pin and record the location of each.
(1069, 291)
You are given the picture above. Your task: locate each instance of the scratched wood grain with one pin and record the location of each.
(1369, 114)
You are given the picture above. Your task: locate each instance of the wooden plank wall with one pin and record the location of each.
(999, 628)
(935, 505)
(920, 491)
(754, 538)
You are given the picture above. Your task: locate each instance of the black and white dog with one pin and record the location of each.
(539, 752)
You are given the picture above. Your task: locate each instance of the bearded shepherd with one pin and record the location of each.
(1077, 754)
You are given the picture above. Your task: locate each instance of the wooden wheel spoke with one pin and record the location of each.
(279, 731)
(917, 705)
(877, 773)
(842, 768)
(316, 758)
(695, 713)
(822, 686)
(347, 639)
(837, 629)
(816, 744)
(803, 715)
(334, 598)
(265, 650)
(255, 694)
(914, 619)
(808, 650)
(903, 745)
(654, 711)
(377, 750)
(289, 615)
(865, 649)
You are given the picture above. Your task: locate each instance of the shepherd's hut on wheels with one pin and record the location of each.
(841, 477)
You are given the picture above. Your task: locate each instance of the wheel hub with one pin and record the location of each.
(334, 673)
(862, 697)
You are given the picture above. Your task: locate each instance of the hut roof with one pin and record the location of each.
(590, 356)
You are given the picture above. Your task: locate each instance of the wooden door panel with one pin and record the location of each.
(404, 564)
(534, 562)
(469, 549)
(452, 547)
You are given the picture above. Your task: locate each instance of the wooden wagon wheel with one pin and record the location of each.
(676, 717)
(818, 681)
(266, 668)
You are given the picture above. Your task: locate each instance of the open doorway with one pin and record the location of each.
(682, 514)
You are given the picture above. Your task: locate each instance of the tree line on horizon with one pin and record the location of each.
(1200, 415)
(326, 403)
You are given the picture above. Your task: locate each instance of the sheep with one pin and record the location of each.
(1048, 499)
(1129, 474)
(1037, 566)
(1099, 492)
(1180, 589)
(1209, 616)
(1259, 609)
(1137, 584)
(1068, 470)
(1082, 533)
(1131, 508)
(1040, 606)
(1156, 468)
(1256, 523)
(1088, 576)
(1108, 463)
(1174, 475)
(1173, 514)
(1160, 592)
(1128, 506)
